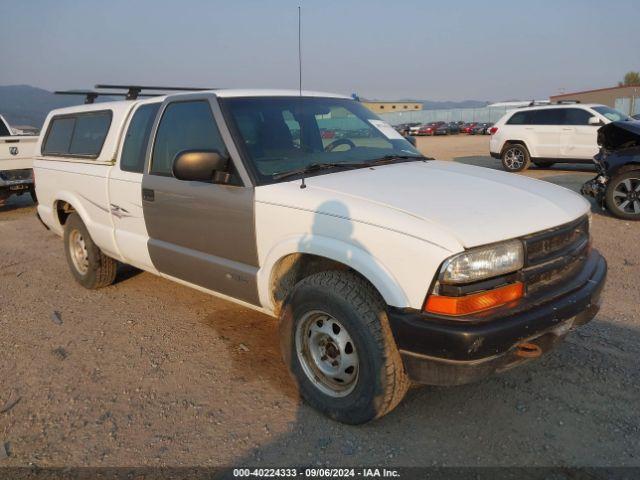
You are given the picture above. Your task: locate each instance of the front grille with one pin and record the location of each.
(11, 175)
(556, 255)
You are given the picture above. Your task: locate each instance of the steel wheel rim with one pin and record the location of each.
(626, 196)
(514, 158)
(78, 252)
(327, 353)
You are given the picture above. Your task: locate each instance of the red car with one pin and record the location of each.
(429, 128)
(327, 134)
(467, 127)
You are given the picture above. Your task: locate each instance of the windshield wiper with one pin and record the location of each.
(392, 158)
(314, 167)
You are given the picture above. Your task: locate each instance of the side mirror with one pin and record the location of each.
(201, 166)
(594, 121)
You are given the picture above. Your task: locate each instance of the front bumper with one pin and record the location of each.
(440, 351)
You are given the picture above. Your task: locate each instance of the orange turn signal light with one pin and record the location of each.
(476, 302)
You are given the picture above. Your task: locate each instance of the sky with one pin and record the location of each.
(389, 50)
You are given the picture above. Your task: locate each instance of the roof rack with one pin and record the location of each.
(568, 102)
(536, 103)
(134, 91)
(90, 95)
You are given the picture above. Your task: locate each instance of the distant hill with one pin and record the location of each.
(26, 105)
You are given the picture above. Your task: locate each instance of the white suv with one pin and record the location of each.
(548, 134)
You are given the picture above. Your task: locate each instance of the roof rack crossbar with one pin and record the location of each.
(90, 95)
(134, 91)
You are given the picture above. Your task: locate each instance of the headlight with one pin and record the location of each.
(484, 262)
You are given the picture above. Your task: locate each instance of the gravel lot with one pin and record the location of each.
(147, 372)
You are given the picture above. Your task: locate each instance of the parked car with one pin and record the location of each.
(404, 128)
(442, 129)
(481, 129)
(466, 128)
(376, 281)
(428, 129)
(454, 127)
(616, 187)
(16, 161)
(548, 134)
(327, 134)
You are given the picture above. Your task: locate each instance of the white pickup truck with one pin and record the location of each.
(383, 266)
(16, 161)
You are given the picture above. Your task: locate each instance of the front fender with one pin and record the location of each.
(350, 254)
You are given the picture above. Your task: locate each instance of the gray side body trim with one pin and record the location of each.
(203, 234)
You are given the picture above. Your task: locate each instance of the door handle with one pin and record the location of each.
(148, 195)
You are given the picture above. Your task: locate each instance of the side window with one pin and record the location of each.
(59, 136)
(184, 126)
(518, 118)
(576, 116)
(137, 138)
(80, 135)
(89, 134)
(546, 116)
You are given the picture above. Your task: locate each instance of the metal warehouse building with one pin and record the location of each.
(626, 99)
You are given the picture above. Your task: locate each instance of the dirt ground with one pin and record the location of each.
(148, 372)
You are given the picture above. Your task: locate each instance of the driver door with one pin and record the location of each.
(201, 233)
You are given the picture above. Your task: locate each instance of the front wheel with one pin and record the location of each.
(515, 158)
(623, 195)
(338, 346)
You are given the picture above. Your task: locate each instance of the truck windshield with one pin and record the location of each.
(284, 134)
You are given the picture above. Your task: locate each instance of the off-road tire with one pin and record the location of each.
(609, 198)
(508, 165)
(382, 382)
(101, 270)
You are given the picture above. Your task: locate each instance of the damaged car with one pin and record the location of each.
(616, 187)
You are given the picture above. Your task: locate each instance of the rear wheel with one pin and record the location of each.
(623, 195)
(515, 158)
(338, 346)
(89, 266)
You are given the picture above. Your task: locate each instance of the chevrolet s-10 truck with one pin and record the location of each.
(382, 266)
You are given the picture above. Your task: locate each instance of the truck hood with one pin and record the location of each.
(444, 203)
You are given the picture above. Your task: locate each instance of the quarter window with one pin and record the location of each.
(135, 143)
(519, 118)
(184, 126)
(80, 135)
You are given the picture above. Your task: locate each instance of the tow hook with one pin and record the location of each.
(528, 350)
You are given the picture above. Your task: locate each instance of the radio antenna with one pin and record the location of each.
(300, 48)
